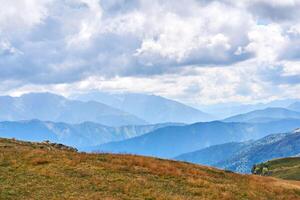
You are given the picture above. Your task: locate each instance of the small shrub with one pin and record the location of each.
(228, 171)
(265, 171)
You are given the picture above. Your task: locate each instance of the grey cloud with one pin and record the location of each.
(47, 58)
(108, 54)
(276, 75)
(292, 50)
(113, 7)
(267, 9)
(275, 11)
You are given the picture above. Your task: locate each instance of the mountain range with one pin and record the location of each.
(295, 106)
(225, 110)
(240, 157)
(171, 141)
(153, 109)
(51, 107)
(265, 115)
(76, 135)
(119, 123)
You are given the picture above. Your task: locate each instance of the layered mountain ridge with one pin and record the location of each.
(51, 107)
(77, 135)
(152, 108)
(240, 157)
(171, 141)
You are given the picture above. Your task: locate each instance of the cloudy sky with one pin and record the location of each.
(196, 51)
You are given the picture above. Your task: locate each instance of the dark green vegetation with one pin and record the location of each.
(47, 171)
(285, 168)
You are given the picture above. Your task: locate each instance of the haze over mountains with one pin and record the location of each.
(91, 83)
(226, 110)
(171, 141)
(111, 110)
(265, 115)
(295, 106)
(149, 125)
(47, 106)
(76, 135)
(152, 108)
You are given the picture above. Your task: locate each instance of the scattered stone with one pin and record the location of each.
(60, 146)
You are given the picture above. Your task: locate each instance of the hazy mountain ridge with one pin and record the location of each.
(295, 106)
(226, 110)
(265, 115)
(169, 142)
(209, 156)
(152, 108)
(77, 135)
(51, 107)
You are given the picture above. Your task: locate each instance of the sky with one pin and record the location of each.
(194, 51)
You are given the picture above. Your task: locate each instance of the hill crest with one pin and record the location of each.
(32, 171)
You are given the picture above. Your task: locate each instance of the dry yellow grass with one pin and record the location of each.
(39, 171)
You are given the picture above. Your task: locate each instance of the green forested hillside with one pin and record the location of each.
(285, 168)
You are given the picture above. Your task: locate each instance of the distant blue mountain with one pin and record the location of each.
(225, 110)
(47, 106)
(77, 135)
(265, 115)
(295, 106)
(171, 141)
(210, 155)
(240, 157)
(153, 109)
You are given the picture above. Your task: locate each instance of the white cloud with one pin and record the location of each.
(196, 51)
(204, 35)
(20, 15)
(244, 84)
(291, 68)
(89, 25)
(267, 42)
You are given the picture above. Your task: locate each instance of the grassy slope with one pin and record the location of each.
(39, 171)
(285, 168)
